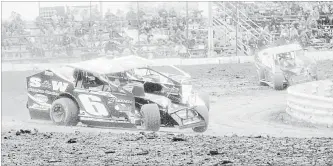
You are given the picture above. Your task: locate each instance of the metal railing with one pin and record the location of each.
(243, 20)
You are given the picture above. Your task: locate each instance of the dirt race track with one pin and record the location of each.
(239, 107)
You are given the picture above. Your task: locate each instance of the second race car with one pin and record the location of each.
(284, 65)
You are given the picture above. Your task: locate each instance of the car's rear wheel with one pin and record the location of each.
(151, 120)
(203, 112)
(64, 112)
(278, 79)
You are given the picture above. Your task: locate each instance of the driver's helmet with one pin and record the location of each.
(117, 82)
(91, 81)
(288, 56)
(131, 72)
(285, 56)
(281, 56)
(77, 75)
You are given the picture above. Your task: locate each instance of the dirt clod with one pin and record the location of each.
(72, 140)
(142, 152)
(109, 151)
(53, 161)
(177, 139)
(214, 152)
(152, 135)
(47, 136)
(25, 131)
(224, 162)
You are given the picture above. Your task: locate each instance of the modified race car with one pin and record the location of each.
(284, 65)
(96, 92)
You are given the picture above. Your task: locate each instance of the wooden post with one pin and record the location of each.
(138, 22)
(210, 30)
(92, 41)
(187, 41)
(225, 29)
(237, 13)
(38, 8)
(101, 7)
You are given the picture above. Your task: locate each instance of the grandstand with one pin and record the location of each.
(268, 22)
(155, 30)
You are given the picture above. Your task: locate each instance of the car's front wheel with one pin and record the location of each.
(278, 79)
(151, 120)
(64, 112)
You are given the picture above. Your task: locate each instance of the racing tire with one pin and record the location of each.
(151, 117)
(278, 79)
(64, 112)
(205, 98)
(261, 76)
(203, 112)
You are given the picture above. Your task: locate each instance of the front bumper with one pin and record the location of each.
(187, 116)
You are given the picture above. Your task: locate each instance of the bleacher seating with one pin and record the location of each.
(239, 27)
(282, 19)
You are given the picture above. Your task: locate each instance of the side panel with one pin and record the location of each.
(104, 105)
(42, 90)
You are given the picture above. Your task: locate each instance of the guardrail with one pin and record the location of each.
(312, 102)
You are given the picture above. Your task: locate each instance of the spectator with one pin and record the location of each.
(293, 33)
(284, 32)
(315, 14)
(326, 9)
(108, 15)
(304, 38)
(330, 19)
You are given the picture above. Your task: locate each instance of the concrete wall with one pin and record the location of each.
(312, 102)
(322, 55)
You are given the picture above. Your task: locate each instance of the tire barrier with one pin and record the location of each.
(312, 102)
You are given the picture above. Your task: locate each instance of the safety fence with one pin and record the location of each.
(312, 102)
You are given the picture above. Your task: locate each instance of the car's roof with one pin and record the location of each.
(108, 65)
(282, 49)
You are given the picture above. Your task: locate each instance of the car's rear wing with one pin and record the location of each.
(48, 83)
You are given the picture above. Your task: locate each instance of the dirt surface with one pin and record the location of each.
(21, 148)
(238, 106)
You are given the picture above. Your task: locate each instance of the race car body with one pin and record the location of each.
(85, 92)
(284, 65)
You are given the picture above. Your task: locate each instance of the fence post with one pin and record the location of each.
(237, 22)
(210, 31)
(138, 22)
(187, 41)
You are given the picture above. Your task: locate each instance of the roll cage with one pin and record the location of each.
(86, 80)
